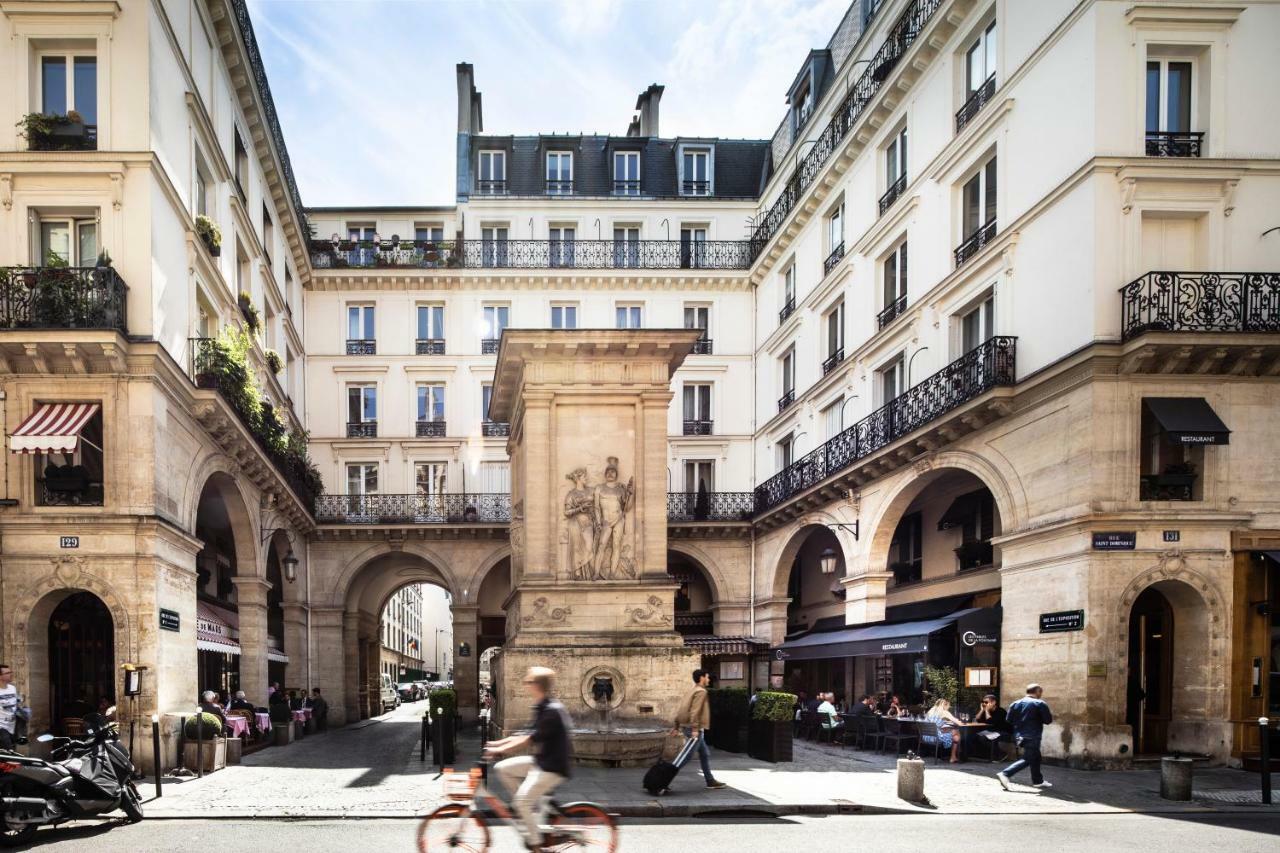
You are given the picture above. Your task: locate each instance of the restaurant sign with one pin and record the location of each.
(978, 638)
(1122, 540)
(1063, 620)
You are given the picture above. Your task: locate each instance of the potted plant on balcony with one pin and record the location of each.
(210, 234)
(974, 554)
(274, 362)
(771, 730)
(252, 318)
(1179, 475)
(52, 132)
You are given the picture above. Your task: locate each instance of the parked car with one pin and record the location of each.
(390, 698)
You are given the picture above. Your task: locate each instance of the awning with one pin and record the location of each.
(962, 509)
(278, 657)
(217, 629)
(1188, 420)
(52, 428)
(711, 645)
(901, 638)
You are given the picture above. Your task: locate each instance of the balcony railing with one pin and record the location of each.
(69, 485)
(62, 298)
(428, 346)
(362, 429)
(621, 187)
(429, 429)
(702, 346)
(891, 311)
(1168, 143)
(710, 506)
(698, 427)
(495, 429)
(787, 310)
(559, 187)
(974, 243)
(786, 400)
(1200, 302)
(897, 42)
(837, 254)
(362, 346)
(489, 346)
(57, 133)
(532, 254)
(832, 361)
(491, 187)
(988, 365)
(1167, 487)
(891, 194)
(695, 624)
(976, 102)
(489, 508)
(695, 187)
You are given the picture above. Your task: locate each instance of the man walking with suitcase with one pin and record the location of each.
(694, 715)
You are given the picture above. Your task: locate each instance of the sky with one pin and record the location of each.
(367, 96)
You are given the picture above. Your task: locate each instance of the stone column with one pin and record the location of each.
(466, 670)
(295, 645)
(865, 597)
(251, 598)
(373, 672)
(329, 663)
(353, 670)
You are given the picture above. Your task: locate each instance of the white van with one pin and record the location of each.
(390, 696)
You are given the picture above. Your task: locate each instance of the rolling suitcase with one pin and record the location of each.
(660, 776)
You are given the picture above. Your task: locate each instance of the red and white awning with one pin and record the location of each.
(217, 630)
(52, 428)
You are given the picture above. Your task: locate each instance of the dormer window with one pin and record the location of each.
(695, 171)
(802, 108)
(491, 178)
(559, 173)
(626, 173)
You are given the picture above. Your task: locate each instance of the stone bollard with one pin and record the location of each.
(911, 779)
(1175, 778)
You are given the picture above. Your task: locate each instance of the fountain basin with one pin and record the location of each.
(619, 746)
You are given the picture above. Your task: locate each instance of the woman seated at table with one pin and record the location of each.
(941, 714)
(895, 707)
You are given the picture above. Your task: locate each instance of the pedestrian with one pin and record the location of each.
(8, 708)
(1028, 717)
(319, 710)
(694, 715)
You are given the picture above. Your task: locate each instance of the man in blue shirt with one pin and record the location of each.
(1028, 717)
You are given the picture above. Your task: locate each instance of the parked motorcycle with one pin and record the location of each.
(83, 777)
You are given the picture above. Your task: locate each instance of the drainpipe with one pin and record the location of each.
(310, 645)
(751, 610)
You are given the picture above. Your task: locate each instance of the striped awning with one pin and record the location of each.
(217, 630)
(52, 428)
(711, 645)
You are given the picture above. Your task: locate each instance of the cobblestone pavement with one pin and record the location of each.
(372, 769)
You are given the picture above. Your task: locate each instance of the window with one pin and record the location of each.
(979, 200)
(203, 187)
(976, 326)
(75, 478)
(69, 83)
(1171, 100)
(788, 293)
(895, 158)
(786, 451)
(693, 247)
(906, 550)
(70, 241)
(628, 316)
(695, 178)
(486, 396)
(835, 335)
(431, 322)
(362, 404)
(803, 107)
(980, 59)
(1168, 469)
(895, 285)
(559, 172)
(430, 480)
(268, 234)
(493, 245)
(892, 381)
(626, 173)
(206, 319)
(431, 402)
(833, 418)
(564, 316)
(496, 318)
(241, 164)
(362, 479)
(561, 245)
(361, 232)
(699, 317)
(699, 475)
(360, 323)
(626, 246)
(492, 176)
(697, 408)
(835, 228)
(428, 233)
(789, 372)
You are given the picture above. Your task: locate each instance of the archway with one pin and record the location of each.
(80, 658)
(695, 599)
(808, 576)
(491, 600)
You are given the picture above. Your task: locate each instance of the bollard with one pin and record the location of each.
(200, 744)
(155, 752)
(911, 779)
(1175, 778)
(437, 741)
(422, 744)
(182, 745)
(1264, 736)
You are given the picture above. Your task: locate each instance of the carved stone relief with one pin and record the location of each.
(544, 614)
(651, 614)
(599, 530)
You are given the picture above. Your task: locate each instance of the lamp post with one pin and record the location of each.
(289, 562)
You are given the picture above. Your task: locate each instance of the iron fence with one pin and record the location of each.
(532, 254)
(63, 298)
(974, 242)
(891, 194)
(710, 506)
(493, 508)
(1200, 302)
(977, 100)
(1170, 143)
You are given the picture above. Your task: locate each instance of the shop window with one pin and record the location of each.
(1169, 470)
(906, 550)
(974, 514)
(73, 478)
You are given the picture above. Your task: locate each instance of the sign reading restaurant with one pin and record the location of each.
(1063, 620)
(1116, 540)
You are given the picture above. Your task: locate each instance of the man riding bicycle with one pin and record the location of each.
(532, 778)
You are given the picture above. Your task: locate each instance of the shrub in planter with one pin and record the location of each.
(444, 725)
(210, 233)
(728, 717)
(274, 362)
(210, 727)
(252, 318)
(445, 699)
(771, 732)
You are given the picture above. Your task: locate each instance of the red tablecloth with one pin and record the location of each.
(300, 716)
(264, 721)
(239, 725)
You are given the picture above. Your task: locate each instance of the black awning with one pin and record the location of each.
(1188, 420)
(902, 638)
(962, 509)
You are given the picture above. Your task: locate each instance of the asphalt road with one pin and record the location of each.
(1238, 833)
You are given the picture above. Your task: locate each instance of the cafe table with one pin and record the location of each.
(263, 720)
(239, 725)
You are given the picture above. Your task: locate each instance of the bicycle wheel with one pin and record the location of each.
(452, 827)
(582, 826)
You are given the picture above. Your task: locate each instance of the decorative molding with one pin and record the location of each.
(651, 614)
(1190, 16)
(544, 614)
(6, 190)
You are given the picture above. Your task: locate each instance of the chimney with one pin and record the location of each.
(633, 129)
(470, 116)
(647, 104)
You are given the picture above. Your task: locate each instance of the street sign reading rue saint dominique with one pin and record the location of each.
(1063, 620)
(1115, 540)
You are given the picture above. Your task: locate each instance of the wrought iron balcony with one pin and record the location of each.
(495, 429)
(702, 346)
(532, 254)
(621, 187)
(710, 506)
(1200, 302)
(891, 311)
(1167, 143)
(362, 346)
(491, 187)
(362, 429)
(786, 399)
(988, 365)
(69, 485)
(489, 346)
(58, 133)
(695, 624)
(891, 195)
(1167, 487)
(974, 242)
(557, 187)
(832, 259)
(698, 427)
(62, 298)
(428, 346)
(787, 310)
(484, 508)
(430, 429)
(695, 188)
(977, 100)
(901, 36)
(832, 361)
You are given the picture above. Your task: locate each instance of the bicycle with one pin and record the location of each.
(461, 824)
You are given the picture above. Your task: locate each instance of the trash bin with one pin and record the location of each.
(1175, 778)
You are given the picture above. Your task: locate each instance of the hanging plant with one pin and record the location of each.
(210, 234)
(274, 362)
(252, 318)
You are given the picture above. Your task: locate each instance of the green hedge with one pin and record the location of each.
(212, 727)
(775, 707)
(445, 699)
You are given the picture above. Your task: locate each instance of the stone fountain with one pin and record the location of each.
(591, 597)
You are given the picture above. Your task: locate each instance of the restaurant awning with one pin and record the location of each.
(710, 645)
(1188, 420)
(962, 509)
(217, 629)
(900, 638)
(52, 428)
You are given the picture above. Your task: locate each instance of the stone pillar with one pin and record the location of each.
(865, 597)
(373, 673)
(353, 669)
(466, 670)
(329, 664)
(295, 645)
(251, 598)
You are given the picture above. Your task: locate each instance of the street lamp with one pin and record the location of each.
(827, 562)
(289, 563)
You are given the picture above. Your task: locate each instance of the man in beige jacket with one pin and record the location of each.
(694, 716)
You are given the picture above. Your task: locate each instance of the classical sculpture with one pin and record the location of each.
(596, 518)
(579, 509)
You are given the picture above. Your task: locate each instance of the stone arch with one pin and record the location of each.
(710, 568)
(244, 528)
(361, 560)
(803, 528)
(487, 565)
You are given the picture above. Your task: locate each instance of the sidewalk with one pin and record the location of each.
(314, 779)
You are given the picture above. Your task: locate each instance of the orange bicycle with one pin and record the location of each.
(462, 823)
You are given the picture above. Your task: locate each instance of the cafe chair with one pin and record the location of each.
(898, 733)
(872, 733)
(73, 726)
(808, 724)
(929, 738)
